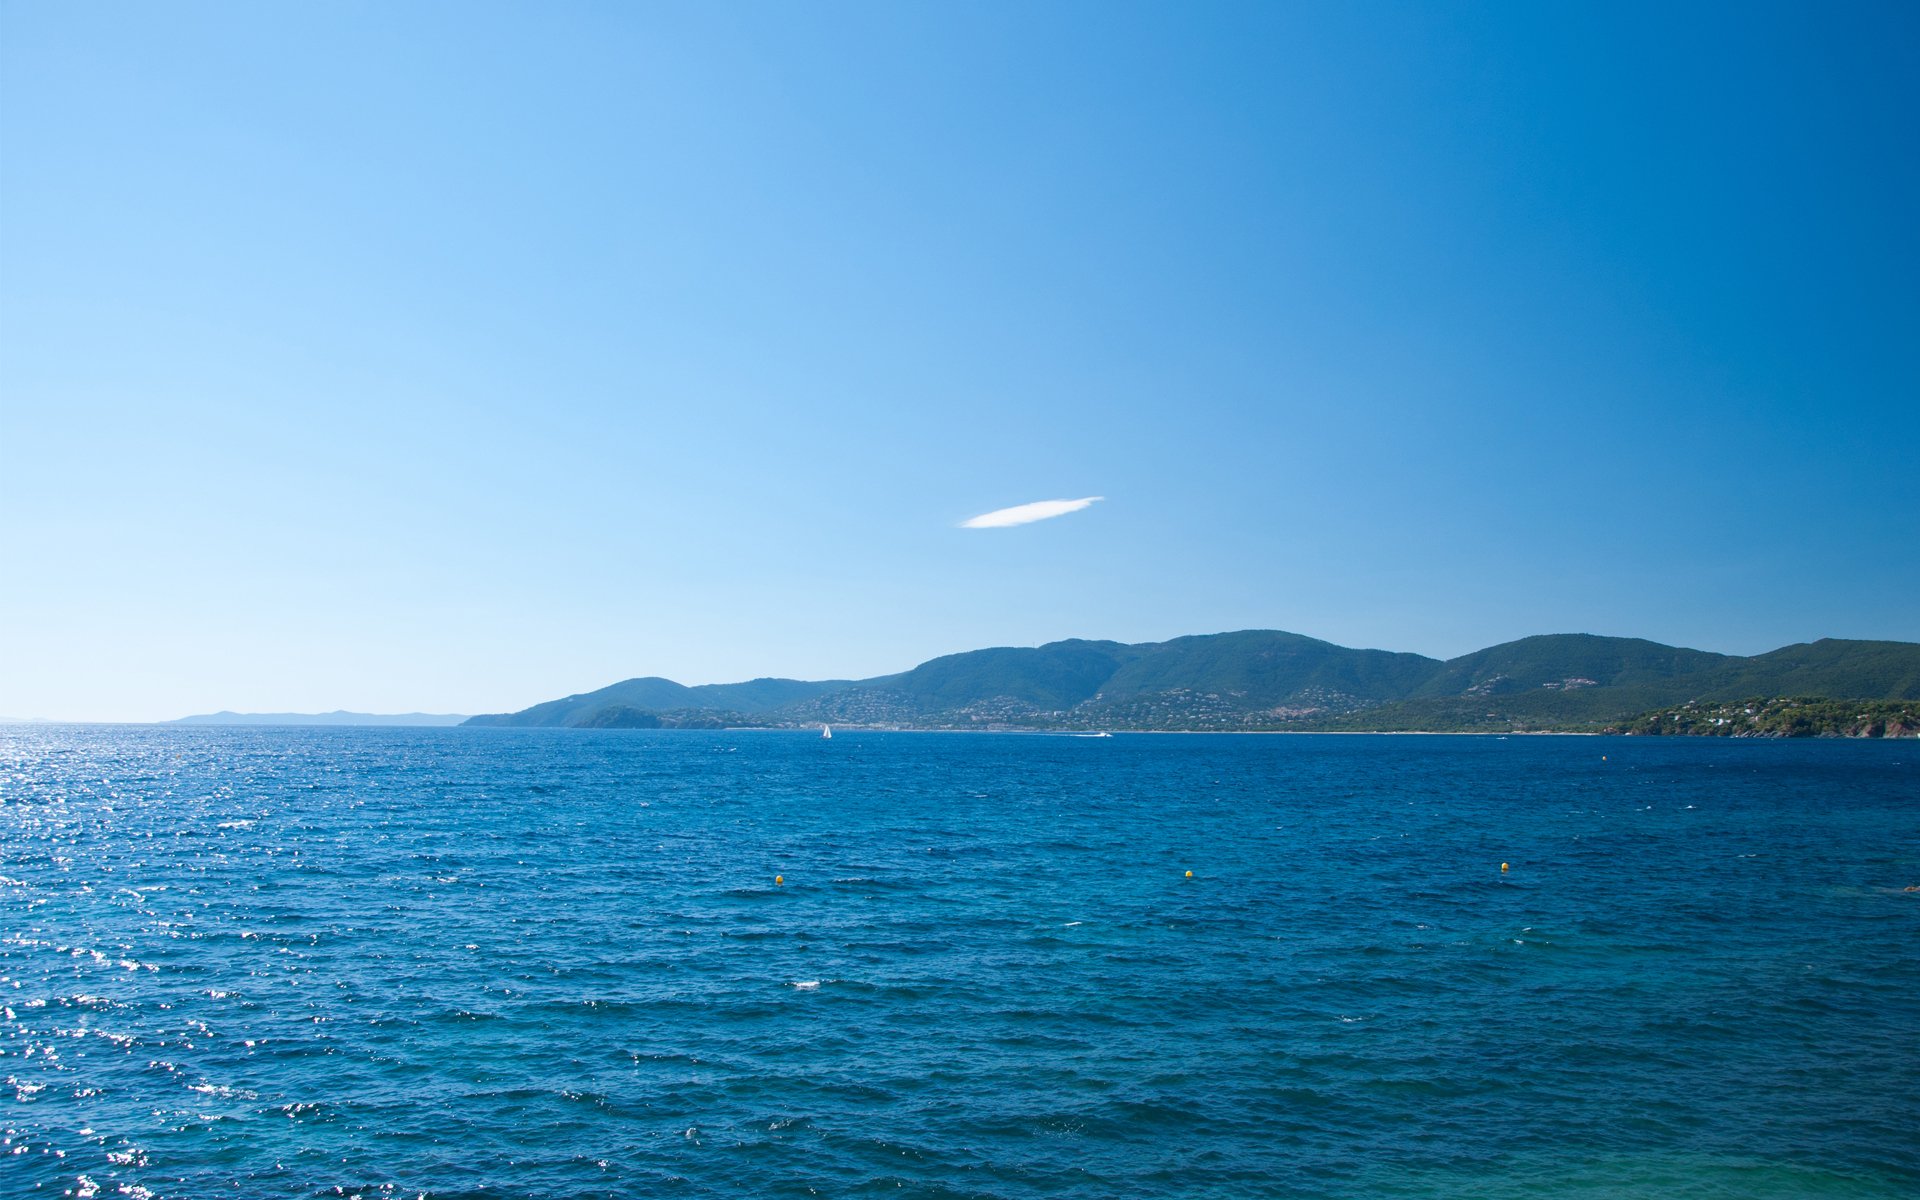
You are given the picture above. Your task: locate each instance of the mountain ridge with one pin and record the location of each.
(1262, 679)
(651, 693)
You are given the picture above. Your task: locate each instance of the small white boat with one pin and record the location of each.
(826, 731)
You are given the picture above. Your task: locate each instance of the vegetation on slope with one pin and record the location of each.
(1262, 668)
(1055, 676)
(1802, 716)
(1264, 679)
(622, 716)
(1567, 662)
(656, 695)
(1828, 667)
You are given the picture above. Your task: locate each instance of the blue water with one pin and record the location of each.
(504, 963)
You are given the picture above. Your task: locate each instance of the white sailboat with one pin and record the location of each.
(826, 731)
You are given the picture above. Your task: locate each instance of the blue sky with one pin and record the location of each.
(457, 356)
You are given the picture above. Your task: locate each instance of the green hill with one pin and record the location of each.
(1831, 667)
(1057, 675)
(1267, 679)
(1578, 682)
(1263, 667)
(759, 695)
(1566, 662)
(652, 694)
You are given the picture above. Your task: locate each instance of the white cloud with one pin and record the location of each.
(1026, 514)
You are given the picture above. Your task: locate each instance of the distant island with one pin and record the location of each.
(331, 718)
(1270, 681)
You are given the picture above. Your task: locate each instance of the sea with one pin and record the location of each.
(480, 963)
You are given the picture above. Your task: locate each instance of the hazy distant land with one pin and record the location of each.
(1266, 680)
(338, 717)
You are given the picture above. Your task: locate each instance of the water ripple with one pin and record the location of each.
(504, 963)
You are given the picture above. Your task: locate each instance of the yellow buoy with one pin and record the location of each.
(1189, 874)
(778, 880)
(1503, 868)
